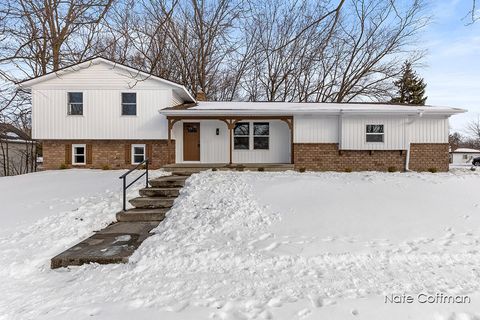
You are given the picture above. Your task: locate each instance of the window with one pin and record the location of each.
(129, 104)
(78, 153)
(261, 131)
(375, 133)
(75, 103)
(241, 136)
(465, 157)
(138, 153)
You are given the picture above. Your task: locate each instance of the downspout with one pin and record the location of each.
(409, 122)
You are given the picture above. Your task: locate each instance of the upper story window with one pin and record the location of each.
(261, 132)
(78, 154)
(129, 104)
(241, 136)
(75, 103)
(375, 133)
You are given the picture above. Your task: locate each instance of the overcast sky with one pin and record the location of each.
(452, 66)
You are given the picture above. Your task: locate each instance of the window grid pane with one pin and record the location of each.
(261, 129)
(129, 109)
(129, 97)
(241, 143)
(374, 128)
(138, 158)
(75, 97)
(260, 143)
(375, 137)
(242, 129)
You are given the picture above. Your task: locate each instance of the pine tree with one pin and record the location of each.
(411, 88)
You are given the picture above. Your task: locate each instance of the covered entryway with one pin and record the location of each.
(244, 139)
(191, 141)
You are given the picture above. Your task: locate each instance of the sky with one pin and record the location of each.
(452, 64)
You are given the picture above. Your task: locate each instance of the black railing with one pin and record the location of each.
(124, 177)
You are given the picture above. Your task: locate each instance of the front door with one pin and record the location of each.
(191, 141)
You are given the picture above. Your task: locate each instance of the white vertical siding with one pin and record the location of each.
(353, 133)
(102, 86)
(279, 148)
(315, 129)
(428, 130)
(102, 118)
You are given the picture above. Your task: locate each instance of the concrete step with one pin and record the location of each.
(160, 192)
(182, 173)
(114, 244)
(152, 202)
(168, 182)
(142, 215)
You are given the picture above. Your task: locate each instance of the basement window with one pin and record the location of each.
(78, 154)
(261, 131)
(75, 103)
(138, 153)
(375, 133)
(129, 104)
(241, 136)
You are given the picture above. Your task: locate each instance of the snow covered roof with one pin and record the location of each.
(178, 88)
(465, 150)
(291, 108)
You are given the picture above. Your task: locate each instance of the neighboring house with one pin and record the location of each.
(463, 155)
(17, 151)
(100, 113)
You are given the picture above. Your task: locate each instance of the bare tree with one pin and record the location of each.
(473, 14)
(472, 128)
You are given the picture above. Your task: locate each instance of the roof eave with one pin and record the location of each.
(223, 112)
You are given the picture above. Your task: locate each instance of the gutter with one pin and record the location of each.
(286, 112)
(407, 160)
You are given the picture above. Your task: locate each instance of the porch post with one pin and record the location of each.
(230, 129)
(169, 140)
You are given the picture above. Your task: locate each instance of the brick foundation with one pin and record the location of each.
(427, 156)
(111, 153)
(327, 157)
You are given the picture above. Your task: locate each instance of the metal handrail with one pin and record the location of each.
(124, 177)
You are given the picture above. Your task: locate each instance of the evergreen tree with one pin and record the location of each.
(411, 88)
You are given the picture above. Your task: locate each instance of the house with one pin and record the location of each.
(100, 113)
(463, 155)
(17, 151)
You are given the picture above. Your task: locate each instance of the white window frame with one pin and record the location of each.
(248, 136)
(128, 103)
(133, 154)
(260, 136)
(74, 146)
(375, 133)
(251, 136)
(69, 104)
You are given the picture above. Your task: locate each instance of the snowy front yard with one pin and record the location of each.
(248, 246)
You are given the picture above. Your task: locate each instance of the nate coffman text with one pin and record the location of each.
(437, 298)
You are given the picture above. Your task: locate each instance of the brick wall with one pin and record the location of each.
(327, 157)
(426, 156)
(112, 153)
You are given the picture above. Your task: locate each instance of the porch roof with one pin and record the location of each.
(220, 108)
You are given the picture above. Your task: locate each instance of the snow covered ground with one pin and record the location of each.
(248, 245)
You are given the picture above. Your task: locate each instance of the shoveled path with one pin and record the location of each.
(117, 242)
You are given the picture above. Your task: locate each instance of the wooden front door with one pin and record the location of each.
(191, 141)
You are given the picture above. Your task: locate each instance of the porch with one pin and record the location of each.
(198, 167)
(222, 141)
